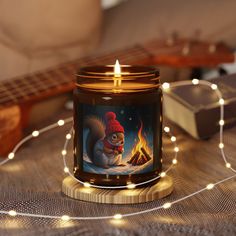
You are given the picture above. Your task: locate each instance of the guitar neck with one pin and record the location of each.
(61, 79)
(178, 53)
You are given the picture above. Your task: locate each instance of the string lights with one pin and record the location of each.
(167, 205)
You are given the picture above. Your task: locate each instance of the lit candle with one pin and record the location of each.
(118, 124)
(117, 74)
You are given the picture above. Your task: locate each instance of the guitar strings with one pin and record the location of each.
(10, 89)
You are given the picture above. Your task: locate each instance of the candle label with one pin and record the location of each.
(118, 140)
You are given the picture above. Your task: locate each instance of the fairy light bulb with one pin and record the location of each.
(12, 213)
(163, 174)
(131, 186)
(65, 218)
(173, 138)
(66, 169)
(176, 149)
(214, 86)
(210, 186)
(61, 122)
(222, 101)
(195, 81)
(68, 136)
(174, 161)
(87, 185)
(221, 122)
(35, 133)
(228, 165)
(166, 205)
(117, 216)
(166, 129)
(165, 86)
(63, 152)
(221, 145)
(11, 155)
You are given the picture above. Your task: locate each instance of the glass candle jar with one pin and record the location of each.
(117, 125)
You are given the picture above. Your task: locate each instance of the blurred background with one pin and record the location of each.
(35, 35)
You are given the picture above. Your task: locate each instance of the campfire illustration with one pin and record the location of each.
(140, 152)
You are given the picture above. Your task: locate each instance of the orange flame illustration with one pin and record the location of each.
(142, 143)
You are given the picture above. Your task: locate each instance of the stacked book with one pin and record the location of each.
(196, 109)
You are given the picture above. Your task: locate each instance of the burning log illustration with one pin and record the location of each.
(146, 154)
(140, 153)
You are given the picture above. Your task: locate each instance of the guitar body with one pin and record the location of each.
(10, 128)
(14, 119)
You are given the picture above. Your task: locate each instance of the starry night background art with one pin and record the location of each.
(130, 117)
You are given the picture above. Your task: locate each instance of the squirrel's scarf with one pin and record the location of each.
(118, 148)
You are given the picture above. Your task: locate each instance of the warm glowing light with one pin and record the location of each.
(176, 149)
(195, 81)
(222, 101)
(174, 161)
(142, 143)
(163, 174)
(221, 122)
(165, 86)
(221, 145)
(167, 205)
(106, 98)
(173, 138)
(214, 86)
(117, 69)
(210, 186)
(35, 133)
(63, 152)
(65, 217)
(167, 129)
(12, 213)
(228, 165)
(61, 122)
(117, 74)
(131, 186)
(68, 136)
(117, 216)
(66, 169)
(86, 184)
(11, 155)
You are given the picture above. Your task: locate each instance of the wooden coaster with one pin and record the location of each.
(75, 190)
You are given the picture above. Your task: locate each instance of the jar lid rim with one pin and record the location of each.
(126, 70)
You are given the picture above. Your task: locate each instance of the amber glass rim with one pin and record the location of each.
(134, 78)
(126, 71)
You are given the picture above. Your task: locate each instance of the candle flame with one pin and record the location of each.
(117, 74)
(117, 69)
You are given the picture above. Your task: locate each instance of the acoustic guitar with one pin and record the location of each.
(17, 95)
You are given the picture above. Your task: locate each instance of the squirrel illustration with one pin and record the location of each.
(105, 142)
